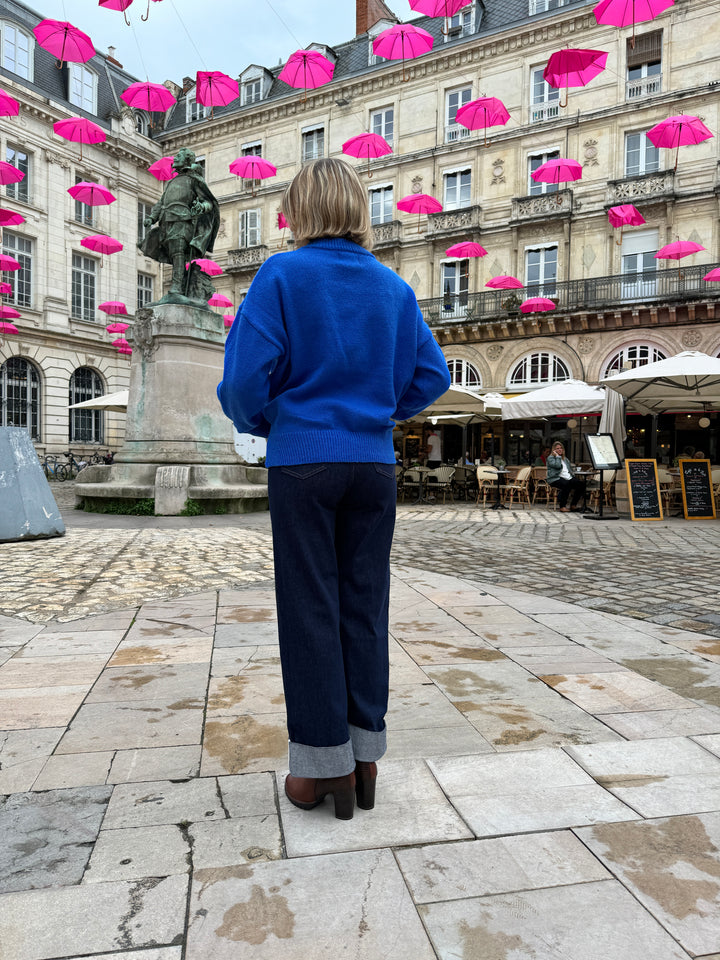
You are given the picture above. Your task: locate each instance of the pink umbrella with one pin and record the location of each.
(215, 89)
(9, 107)
(678, 131)
(402, 42)
(64, 41)
(504, 282)
(483, 113)
(466, 249)
(128, 349)
(113, 307)
(228, 319)
(79, 130)
(573, 68)
(713, 275)
(9, 313)
(557, 171)
(102, 244)
(147, 12)
(419, 203)
(209, 267)
(439, 8)
(116, 5)
(162, 169)
(677, 250)
(252, 167)
(308, 69)
(153, 97)
(622, 13)
(117, 327)
(5, 288)
(282, 222)
(537, 305)
(10, 219)
(120, 342)
(93, 194)
(625, 215)
(8, 263)
(9, 173)
(367, 145)
(220, 300)
(8, 328)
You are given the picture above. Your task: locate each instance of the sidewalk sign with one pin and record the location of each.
(697, 490)
(643, 489)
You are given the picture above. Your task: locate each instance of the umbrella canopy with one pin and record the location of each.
(687, 381)
(153, 97)
(8, 263)
(93, 194)
(439, 8)
(8, 327)
(504, 282)
(9, 106)
(5, 288)
(678, 131)
(565, 398)
(111, 401)
(419, 203)
(215, 89)
(228, 319)
(209, 267)
(282, 222)
(117, 327)
(574, 68)
(121, 5)
(483, 113)
(64, 41)
(625, 215)
(560, 170)
(220, 300)
(466, 249)
(252, 167)
(402, 42)
(458, 401)
(120, 342)
(113, 308)
(126, 349)
(162, 169)
(79, 130)
(622, 13)
(677, 250)
(9, 313)
(9, 173)
(537, 305)
(713, 275)
(307, 69)
(368, 145)
(101, 243)
(8, 218)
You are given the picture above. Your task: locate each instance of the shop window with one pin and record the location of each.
(86, 426)
(20, 396)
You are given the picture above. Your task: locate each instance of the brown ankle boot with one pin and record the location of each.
(309, 792)
(365, 777)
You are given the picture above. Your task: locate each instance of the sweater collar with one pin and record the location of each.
(337, 243)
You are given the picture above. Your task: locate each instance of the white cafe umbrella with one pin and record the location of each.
(565, 398)
(613, 420)
(687, 381)
(116, 402)
(456, 400)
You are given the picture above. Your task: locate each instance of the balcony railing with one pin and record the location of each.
(455, 131)
(598, 293)
(544, 111)
(543, 205)
(386, 233)
(644, 87)
(644, 187)
(450, 221)
(246, 258)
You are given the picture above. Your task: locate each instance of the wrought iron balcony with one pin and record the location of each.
(648, 186)
(544, 205)
(246, 258)
(598, 293)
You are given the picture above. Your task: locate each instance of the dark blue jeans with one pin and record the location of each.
(332, 529)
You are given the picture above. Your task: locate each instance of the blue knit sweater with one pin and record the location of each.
(327, 349)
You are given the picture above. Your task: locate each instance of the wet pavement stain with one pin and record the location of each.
(131, 656)
(628, 780)
(246, 614)
(189, 703)
(480, 941)
(513, 737)
(229, 694)
(207, 876)
(257, 919)
(136, 681)
(238, 743)
(459, 684)
(685, 679)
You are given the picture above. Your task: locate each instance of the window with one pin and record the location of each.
(544, 99)
(535, 161)
(644, 66)
(195, 110)
(144, 290)
(251, 92)
(313, 143)
(86, 426)
(381, 205)
(250, 228)
(641, 156)
(464, 374)
(200, 166)
(382, 122)
(83, 212)
(20, 396)
(83, 288)
(538, 369)
(454, 99)
(142, 123)
(17, 51)
(639, 265)
(454, 280)
(82, 87)
(18, 158)
(20, 280)
(631, 356)
(461, 24)
(456, 189)
(143, 213)
(541, 271)
(541, 6)
(253, 149)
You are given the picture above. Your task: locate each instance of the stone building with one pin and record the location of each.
(614, 308)
(63, 353)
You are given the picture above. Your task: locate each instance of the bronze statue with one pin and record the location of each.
(183, 226)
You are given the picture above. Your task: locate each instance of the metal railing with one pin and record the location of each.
(620, 290)
(643, 87)
(544, 111)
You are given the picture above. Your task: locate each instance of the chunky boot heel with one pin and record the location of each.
(365, 778)
(309, 792)
(344, 803)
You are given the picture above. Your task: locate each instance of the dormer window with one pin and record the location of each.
(251, 92)
(255, 83)
(82, 87)
(373, 33)
(194, 110)
(17, 50)
(463, 23)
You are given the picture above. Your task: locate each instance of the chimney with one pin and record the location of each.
(368, 12)
(111, 57)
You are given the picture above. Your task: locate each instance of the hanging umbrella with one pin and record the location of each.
(557, 171)
(307, 69)
(687, 381)
(117, 327)
(162, 169)
(228, 319)
(215, 89)
(113, 308)
(402, 42)
(9, 173)
(8, 327)
(152, 97)
(102, 244)
(282, 225)
(713, 275)
(504, 282)
(209, 267)
(483, 113)
(622, 13)
(419, 203)
(79, 130)
(127, 349)
(8, 313)
(466, 249)
(120, 342)
(8, 263)
(252, 167)
(440, 8)
(93, 194)
(537, 305)
(116, 402)
(147, 12)
(9, 106)
(678, 131)
(370, 145)
(64, 41)
(8, 218)
(564, 398)
(5, 288)
(219, 300)
(121, 5)
(677, 250)
(625, 215)
(573, 68)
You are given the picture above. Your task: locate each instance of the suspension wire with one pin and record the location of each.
(283, 23)
(189, 36)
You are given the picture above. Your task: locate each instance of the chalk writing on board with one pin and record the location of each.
(643, 490)
(697, 491)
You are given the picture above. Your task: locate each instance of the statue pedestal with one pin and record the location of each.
(178, 443)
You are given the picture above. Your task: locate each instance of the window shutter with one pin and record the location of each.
(648, 48)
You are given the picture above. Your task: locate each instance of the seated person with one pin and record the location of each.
(560, 474)
(542, 459)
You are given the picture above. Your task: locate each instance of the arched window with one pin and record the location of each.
(20, 396)
(464, 374)
(538, 369)
(632, 355)
(142, 123)
(86, 425)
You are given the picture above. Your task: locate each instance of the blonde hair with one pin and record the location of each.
(327, 199)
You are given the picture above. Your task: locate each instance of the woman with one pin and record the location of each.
(560, 474)
(328, 348)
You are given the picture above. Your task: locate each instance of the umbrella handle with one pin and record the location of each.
(619, 242)
(147, 13)
(560, 103)
(127, 22)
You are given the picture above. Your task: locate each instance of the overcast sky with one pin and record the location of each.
(181, 37)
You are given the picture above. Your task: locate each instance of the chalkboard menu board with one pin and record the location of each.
(643, 490)
(697, 491)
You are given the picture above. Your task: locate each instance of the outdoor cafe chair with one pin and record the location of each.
(440, 478)
(487, 479)
(411, 483)
(519, 487)
(608, 490)
(543, 492)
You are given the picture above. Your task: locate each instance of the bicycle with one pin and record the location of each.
(52, 468)
(71, 468)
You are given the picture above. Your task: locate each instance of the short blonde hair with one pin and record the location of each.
(327, 199)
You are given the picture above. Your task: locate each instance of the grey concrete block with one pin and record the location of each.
(27, 508)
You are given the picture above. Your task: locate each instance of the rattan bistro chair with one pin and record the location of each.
(487, 478)
(519, 487)
(440, 478)
(543, 492)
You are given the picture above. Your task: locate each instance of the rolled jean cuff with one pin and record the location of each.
(307, 761)
(368, 745)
